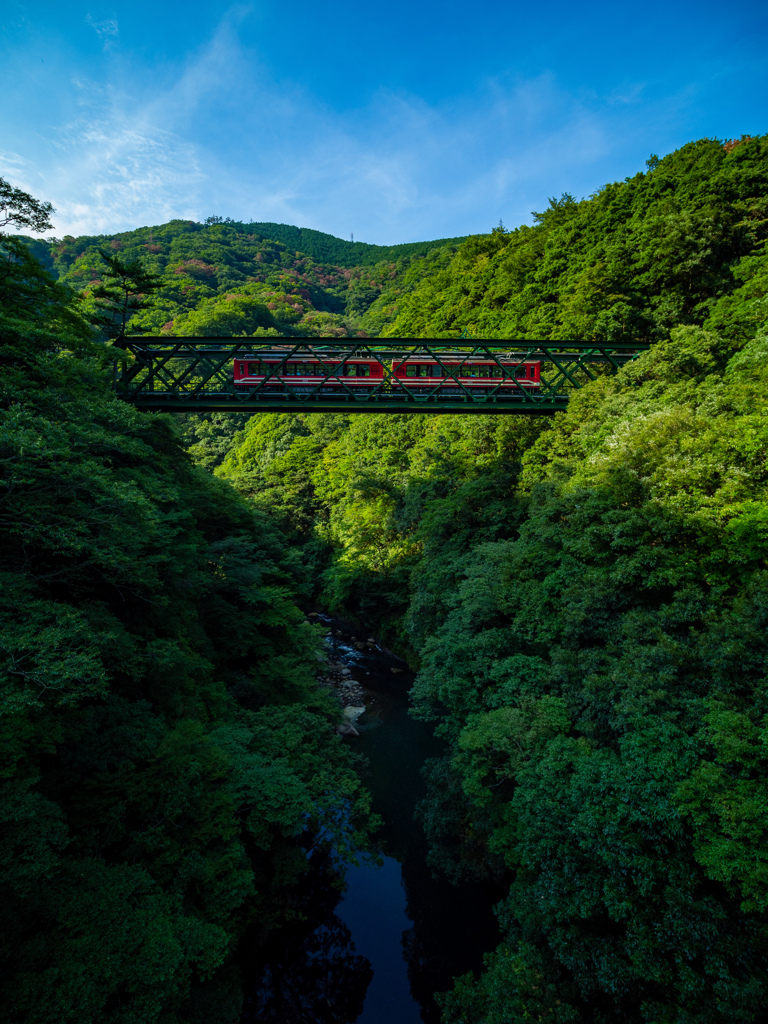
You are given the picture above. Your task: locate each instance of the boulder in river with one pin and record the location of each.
(397, 671)
(347, 672)
(345, 729)
(349, 715)
(352, 713)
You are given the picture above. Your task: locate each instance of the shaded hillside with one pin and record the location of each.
(169, 762)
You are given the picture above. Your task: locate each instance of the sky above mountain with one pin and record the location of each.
(394, 122)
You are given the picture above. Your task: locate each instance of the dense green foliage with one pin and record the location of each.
(587, 598)
(169, 763)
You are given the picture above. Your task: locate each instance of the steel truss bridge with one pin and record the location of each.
(167, 374)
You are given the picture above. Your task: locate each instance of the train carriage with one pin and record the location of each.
(478, 376)
(417, 374)
(303, 374)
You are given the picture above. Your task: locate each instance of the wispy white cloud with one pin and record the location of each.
(107, 29)
(120, 171)
(221, 136)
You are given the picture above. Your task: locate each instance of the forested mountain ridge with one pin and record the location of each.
(585, 597)
(325, 248)
(636, 259)
(229, 278)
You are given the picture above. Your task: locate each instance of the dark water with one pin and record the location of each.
(378, 953)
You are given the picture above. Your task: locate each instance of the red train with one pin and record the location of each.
(416, 373)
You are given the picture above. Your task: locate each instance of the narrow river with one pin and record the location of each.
(397, 935)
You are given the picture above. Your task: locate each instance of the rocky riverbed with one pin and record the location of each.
(335, 674)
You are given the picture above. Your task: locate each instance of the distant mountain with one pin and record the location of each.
(227, 277)
(329, 249)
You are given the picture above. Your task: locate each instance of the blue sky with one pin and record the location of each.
(394, 121)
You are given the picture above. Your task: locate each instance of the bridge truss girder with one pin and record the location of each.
(166, 374)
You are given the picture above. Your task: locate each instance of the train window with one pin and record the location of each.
(485, 371)
(350, 371)
(242, 369)
(521, 372)
(496, 371)
(363, 371)
(410, 370)
(437, 371)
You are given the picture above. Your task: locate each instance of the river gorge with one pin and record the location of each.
(378, 952)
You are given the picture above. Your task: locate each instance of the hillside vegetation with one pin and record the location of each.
(586, 598)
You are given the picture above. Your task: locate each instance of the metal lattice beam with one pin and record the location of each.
(164, 374)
